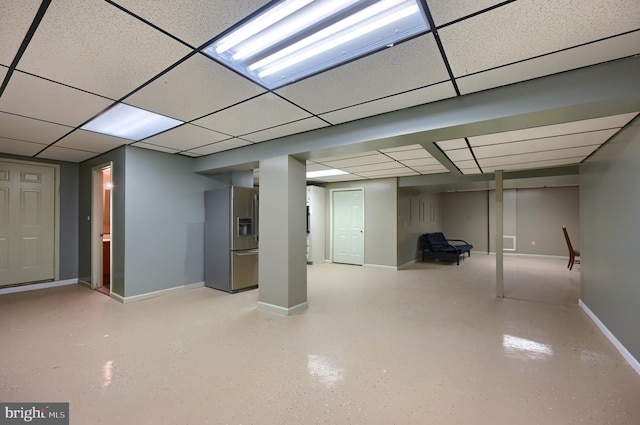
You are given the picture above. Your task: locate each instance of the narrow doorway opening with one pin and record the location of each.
(101, 229)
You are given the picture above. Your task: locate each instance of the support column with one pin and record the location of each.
(282, 272)
(499, 235)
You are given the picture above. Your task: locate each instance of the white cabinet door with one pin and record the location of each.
(27, 223)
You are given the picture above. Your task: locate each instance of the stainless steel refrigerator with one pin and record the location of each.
(231, 238)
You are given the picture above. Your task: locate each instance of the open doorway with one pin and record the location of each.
(101, 229)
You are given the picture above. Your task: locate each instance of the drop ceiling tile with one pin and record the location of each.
(186, 137)
(194, 89)
(191, 154)
(194, 22)
(580, 152)
(575, 127)
(594, 138)
(263, 112)
(430, 169)
(401, 148)
(45, 100)
(410, 154)
(421, 162)
(154, 147)
(387, 104)
(94, 46)
(30, 130)
(286, 130)
(444, 11)
(343, 178)
(407, 66)
(361, 160)
(220, 146)
(19, 147)
(388, 173)
(19, 13)
(533, 164)
(459, 154)
(374, 167)
(446, 145)
(65, 154)
(90, 141)
(466, 164)
(311, 166)
(528, 28)
(471, 170)
(3, 72)
(606, 50)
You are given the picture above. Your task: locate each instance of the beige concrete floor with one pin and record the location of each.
(426, 345)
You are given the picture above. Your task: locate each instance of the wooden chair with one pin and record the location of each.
(573, 253)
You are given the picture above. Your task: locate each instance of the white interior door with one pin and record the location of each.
(27, 223)
(348, 226)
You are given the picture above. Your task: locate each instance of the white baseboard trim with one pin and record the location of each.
(36, 286)
(379, 266)
(611, 337)
(283, 310)
(148, 295)
(516, 254)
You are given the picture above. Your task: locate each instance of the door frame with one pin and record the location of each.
(96, 223)
(56, 208)
(345, 189)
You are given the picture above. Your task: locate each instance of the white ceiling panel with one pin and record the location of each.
(420, 162)
(376, 158)
(374, 167)
(286, 130)
(452, 144)
(420, 152)
(430, 169)
(614, 121)
(20, 14)
(532, 164)
(19, 147)
(194, 89)
(65, 154)
(387, 104)
(602, 51)
(94, 46)
(194, 22)
(90, 141)
(343, 178)
(30, 130)
(45, 100)
(220, 146)
(186, 137)
(580, 152)
(155, 147)
(528, 28)
(594, 138)
(263, 112)
(459, 154)
(407, 66)
(3, 72)
(445, 11)
(388, 173)
(312, 166)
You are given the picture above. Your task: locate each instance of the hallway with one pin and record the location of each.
(429, 344)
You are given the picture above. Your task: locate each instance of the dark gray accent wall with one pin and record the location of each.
(465, 215)
(609, 212)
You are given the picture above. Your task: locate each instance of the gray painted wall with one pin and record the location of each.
(164, 221)
(68, 243)
(609, 210)
(418, 213)
(465, 215)
(380, 218)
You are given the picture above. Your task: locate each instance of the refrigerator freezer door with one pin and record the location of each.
(242, 219)
(244, 269)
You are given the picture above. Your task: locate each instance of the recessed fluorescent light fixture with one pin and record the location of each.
(325, 173)
(130, 123)
(296, 38)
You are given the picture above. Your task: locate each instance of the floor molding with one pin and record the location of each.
(611, 337)
(37, 286)
(148, 295)
(283, 310)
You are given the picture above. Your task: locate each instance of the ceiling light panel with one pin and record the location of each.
(296, 38)
(130, 123)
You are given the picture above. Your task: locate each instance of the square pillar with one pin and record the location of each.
(282, 273)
